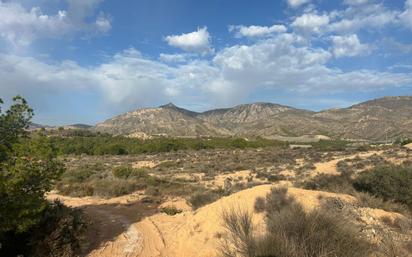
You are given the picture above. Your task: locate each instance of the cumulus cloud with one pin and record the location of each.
(349, 46)
(368, 17)
(310, 23)
(297, 3)
(20, 26)
(128, 79)
(196, 41)
(256, 31)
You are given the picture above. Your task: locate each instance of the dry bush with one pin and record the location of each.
(239, 239)
(370, 201)
(199, 199)
(292, 232)
(260, 204)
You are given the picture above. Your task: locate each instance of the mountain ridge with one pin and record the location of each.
(373, 119)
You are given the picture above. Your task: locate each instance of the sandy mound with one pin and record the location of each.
(409, 146)
(197, 233)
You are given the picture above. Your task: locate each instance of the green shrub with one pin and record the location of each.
(388, 182)
(126, 172)
(330, 183)
(122, 172)
(171, 210)
(116, 187)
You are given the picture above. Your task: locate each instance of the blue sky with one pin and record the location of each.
(83, 61)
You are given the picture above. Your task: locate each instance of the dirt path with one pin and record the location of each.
(112, 231)
(330, 167)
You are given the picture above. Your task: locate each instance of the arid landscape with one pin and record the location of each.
(218, 128)
(182, 215)
(206, 195)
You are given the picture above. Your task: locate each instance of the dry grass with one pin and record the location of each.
(292, 232)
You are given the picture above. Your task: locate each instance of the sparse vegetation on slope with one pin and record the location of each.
(292, 232)
(388, 182)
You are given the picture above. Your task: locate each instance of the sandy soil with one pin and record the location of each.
(126, 226)
(144, 164)
(197, 233)
(330, 167)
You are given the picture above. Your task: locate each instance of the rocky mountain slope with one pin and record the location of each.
(168, 120)
(388, 117)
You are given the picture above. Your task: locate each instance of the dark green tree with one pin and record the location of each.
(28, 169)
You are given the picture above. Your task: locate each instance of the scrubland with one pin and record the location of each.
(249, 201)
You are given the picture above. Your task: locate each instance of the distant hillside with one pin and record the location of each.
(168, 120)
(35, 126)
(388, 117)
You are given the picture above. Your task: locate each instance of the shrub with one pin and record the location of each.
(200, 199)
(171, 210)
(388, 182)
(331, 183)
(260, 204)
(60, 232)
(370, 201)
(292, 232)
(122, 172)
(116, 187)
(239, 240)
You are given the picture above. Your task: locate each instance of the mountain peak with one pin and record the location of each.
(168, 105)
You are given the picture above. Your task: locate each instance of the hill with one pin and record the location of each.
(166, 120)
(379, 119)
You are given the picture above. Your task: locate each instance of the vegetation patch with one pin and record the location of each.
(388, 182)
(291, 232)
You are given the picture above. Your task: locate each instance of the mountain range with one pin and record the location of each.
(379, 119)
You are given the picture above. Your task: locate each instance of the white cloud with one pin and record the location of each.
(256, 31)
(103, 23)
(368, 17)
(310, 23)
(129, 79)
(297, 3)
(196, 41)
(349, 46)
(356, 2)
(174, 58)
(21, 27)
(406, 16)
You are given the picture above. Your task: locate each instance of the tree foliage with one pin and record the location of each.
(28, 169)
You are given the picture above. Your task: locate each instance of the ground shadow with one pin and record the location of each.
(107, 221)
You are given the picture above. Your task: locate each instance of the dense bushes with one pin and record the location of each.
(28, 169)
(105, 144)
(330, 145)
(292, 232)
(388, 182)
(60, 232)
(385, 188)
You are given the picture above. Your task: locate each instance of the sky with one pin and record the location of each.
(83, 61)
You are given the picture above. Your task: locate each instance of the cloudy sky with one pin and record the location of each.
(82, 61)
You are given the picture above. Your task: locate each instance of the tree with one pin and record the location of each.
(28, 169)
